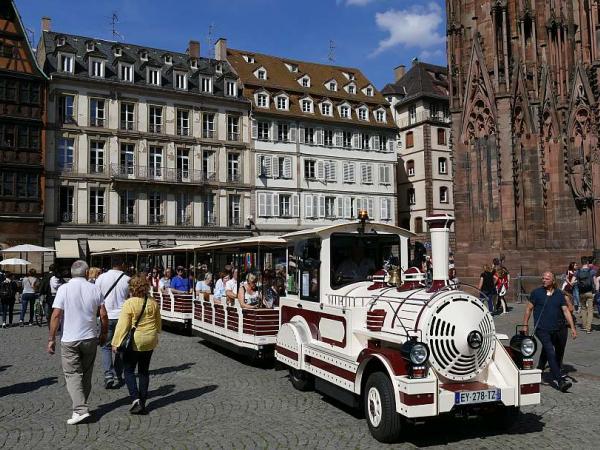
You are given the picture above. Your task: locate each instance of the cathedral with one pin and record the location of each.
(524, 96)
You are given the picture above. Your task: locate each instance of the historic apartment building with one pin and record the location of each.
(324, 142)
(22, 115)
(146, 147)
(524, 79)
(419, 103)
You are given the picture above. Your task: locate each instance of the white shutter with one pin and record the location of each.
(363, 173)
(376, 142)
(321, 205)
(275, 167)
(347, 208)
(254, 129)
(384, 209)
(320, 136)
(287, 167)
(259, 165)
(370, 208)
(346, 172)
(320, 170)
(391, 145)
(262, 211)
(295, 205)
(292, 133)
(369, 173)
(276, 131)
(269, 204)
(382, 174)
(340, 207)
(301, 132)
(352, 172)
(338, 139)
(333, 171)
(275, 205)
(268, 166)
(211, 164)
(356, 141)
(308, 206)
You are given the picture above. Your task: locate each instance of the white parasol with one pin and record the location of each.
(14, 262)
(27, 248)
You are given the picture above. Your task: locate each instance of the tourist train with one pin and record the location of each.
(358, 324)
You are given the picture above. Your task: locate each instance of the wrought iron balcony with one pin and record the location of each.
(233, 136)
(155, 128)
(97, 169)
(127, 125)
(97, 122)
(134, 172)
(97, 218)
(156, 219)
(208, 133)
(234, 177)
(127, 219)
(184, 220)
(67, 217)
(183, 131)
(210, 220)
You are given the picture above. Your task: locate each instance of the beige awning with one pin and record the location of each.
(106, 245)
(67, 248)
(189, 243)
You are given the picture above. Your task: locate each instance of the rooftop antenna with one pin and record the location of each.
(113, 22)
(31, 36)
(331, 54)
(209, 40)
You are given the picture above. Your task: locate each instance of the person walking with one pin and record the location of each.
(8, 290)
(142, 313)
(501, 282)
(486, 286)
(548, 305)
(585, 281)
(30, 287)
(114, 286)
(570, 283)
(77, 305)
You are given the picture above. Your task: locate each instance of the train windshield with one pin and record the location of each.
(356, 257)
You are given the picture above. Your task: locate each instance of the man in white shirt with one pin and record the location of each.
(78, 303)
(114, 297)
(231, 289)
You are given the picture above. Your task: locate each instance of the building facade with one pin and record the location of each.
(146, 147)
(22, 116)
(323, 139)
(524, 99)
(419, 104)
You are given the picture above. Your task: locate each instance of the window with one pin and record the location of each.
(442, 166)
(326, 109)
(349, 175)
(8, 135)
(168, 59)
(262, 100)
(155, 162)
(249, 59)
(64, 154)
(310, 172)
(328, 138)
(127, 210)
(96, 157)
(183, 205)
(384, 174)
(155, 212)
(65, 108)
(97, 112)
(362, 114)
(126, 72)
(410, 168)
(155, 122)
(412, 114)
(154, 76)
(235, 215)
(143, 55)
(282, 102)
(345, 112)
(309, 135)
(27, 185)
(127, 117)
(347, 139)
(305, 82)
(382, 142)
(366, 171)
(332, 86)
(96, 68)
(183, 164)
(330, 171)
(263, 131)
(181, 81)
(307, 106)
(118, 51)
(233, 128)
(441, 136)
(434, 110)
(183, 122)
(369, 91)
(96, 203)
(443, 194)
(29, 137)
(208, 125)
(208, 165)
(126, 159)
(8, 184)
(409, 140)
(330, 207)
(209, 214)
(206, 85)
(285, 205)
(66, 63)
(233, 167)
(8, 90)
(365, 141)
(351, 89)
(385, 212)
(380, 115)
(66, 204)
(274, 166)
(261, 74)
(418, 224)
(411, 196)
(230, 88)
(283, 131)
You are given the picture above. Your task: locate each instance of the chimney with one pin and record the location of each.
(399, 72)
(221, 49)
(194, 49)
(46, 24)
(439, 228)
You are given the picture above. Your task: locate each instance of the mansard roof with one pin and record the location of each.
(422, 80)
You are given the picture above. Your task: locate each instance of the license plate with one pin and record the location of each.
(470, 397)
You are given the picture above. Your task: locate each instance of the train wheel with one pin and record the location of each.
(301, 380)
(385, 424)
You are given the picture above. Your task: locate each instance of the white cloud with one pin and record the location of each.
(429, 55)
(417, 27)
(354, 2)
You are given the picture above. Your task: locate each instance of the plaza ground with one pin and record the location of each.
(203, 397)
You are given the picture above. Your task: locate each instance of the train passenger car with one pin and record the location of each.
(353, 330)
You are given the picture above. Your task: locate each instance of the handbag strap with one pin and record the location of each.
(114, 285)
(141, 312)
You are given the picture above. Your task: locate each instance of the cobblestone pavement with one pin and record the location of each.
(202, 397)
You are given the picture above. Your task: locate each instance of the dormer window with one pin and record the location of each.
(262, 100)
(181, 81)
(351, 89)
(96, 68)
(126, 72)
(261, 74)
(66, 62)
(249, 59)
(194, 64)
(283, 102)
(380, 115)
(305, 81)
(154, 76)
(332, 85)
(168, 59)
(206, 85)
(349, 75)
(326, 109)
(307, 105)
(230, 88)
(89, 46)
(369, 91)
(219, 68)
(363, 113)
(143, 55)
(292, 67)
(345, 111)
(118, 51)
(60, 41)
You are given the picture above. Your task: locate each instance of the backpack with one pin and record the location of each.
(6, 289)
(585, 281)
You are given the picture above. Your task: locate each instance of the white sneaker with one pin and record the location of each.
(3, 325)
(134, 404)
(76, 418)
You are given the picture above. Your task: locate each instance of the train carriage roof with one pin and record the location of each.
(351, 227)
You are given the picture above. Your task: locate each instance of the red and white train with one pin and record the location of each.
(403, 351)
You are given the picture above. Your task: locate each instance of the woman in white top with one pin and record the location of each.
(30, 286)
(248, 296)
(231, 288)
(203, 287)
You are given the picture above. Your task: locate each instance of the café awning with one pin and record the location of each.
(97, 245)
(67, 248)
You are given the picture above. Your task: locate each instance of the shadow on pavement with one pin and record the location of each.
(165, 370)
(101, 410)
(24, 388)
(3, 368)
(181, 396)
(265, 363)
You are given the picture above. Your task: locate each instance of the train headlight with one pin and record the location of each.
(525, 345)
(528, 347)
(415, 352)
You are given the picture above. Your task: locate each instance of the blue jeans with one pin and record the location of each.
(490, 299)
(551, 341)
(111, 370)
(27, 299)
(142, 360)
(7, 310)
(576, 302)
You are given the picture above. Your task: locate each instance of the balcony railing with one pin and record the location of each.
(67, 217)
(184, 220)
(97, 122)
(156, 220)
(422, 117)
(208, 134)
(162, 174)
(183, 131)
(235, 222)
(127, 125)
(155, 128)
(65, 168)
(210, 220)
(233, 136)
(97, 169)
(127, 219)
(97, 218)
(234, 177)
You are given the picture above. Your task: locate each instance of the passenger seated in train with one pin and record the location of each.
(219, 291)
(180, 284)
(154, 279)
(165, 282)
(272, 293)
(355, 268)
(203, 287)
(248, 296)
(231, 288)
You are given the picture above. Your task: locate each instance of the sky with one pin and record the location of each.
(374, 36)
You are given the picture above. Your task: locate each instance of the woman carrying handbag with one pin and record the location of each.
(136, 335)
